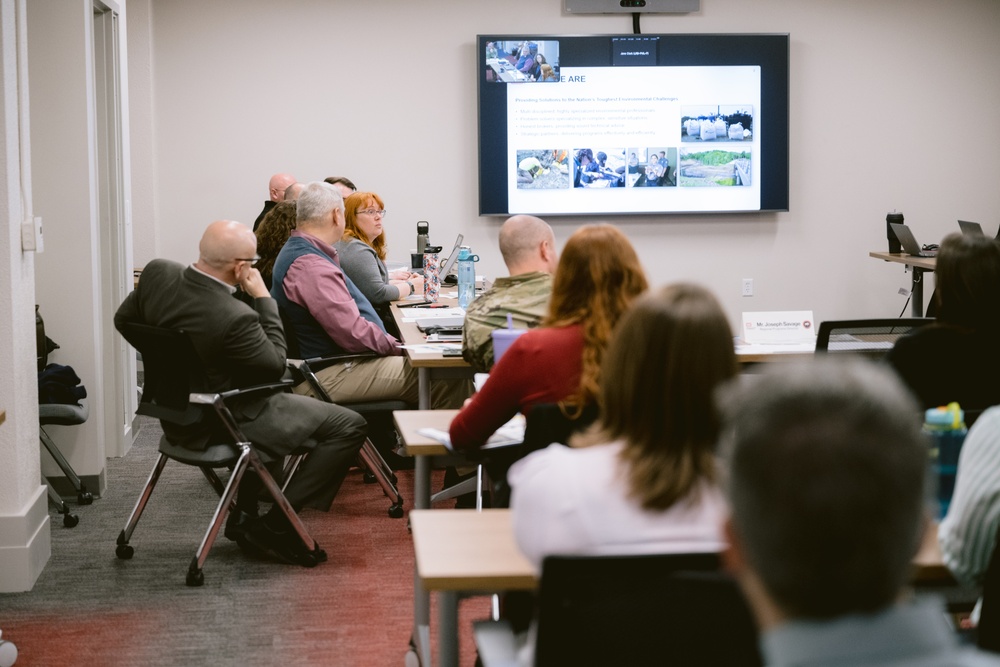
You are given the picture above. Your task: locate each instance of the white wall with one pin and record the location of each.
(25, 542)
(891, 108)
(67, 273)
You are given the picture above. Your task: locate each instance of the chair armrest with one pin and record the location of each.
(496, 643)
(209, 399)
(319, 363)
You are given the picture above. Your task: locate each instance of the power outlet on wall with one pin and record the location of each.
(747, 287)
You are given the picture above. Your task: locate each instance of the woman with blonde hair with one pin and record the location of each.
(362, 253)
(596, 279)
(643, 479)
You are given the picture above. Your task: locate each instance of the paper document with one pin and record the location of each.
(511, 433)
(431, 313)
(436, 347)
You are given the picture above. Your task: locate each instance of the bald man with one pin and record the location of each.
(276, 188)
(242, 345)
(528, 247)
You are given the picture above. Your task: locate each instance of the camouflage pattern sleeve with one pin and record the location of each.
(525, 297)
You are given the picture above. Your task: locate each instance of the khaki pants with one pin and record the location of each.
(385, 378)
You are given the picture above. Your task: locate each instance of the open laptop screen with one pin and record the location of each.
(447, 265)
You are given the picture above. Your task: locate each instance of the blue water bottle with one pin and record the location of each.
(466, 276)
(946, 428)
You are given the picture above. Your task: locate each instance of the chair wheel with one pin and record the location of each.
(124, 551)
(70, 520)
(396, 511)
(369, 477)
(85, 498)
(195, 578)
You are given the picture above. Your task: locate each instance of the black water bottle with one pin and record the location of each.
(893, 218)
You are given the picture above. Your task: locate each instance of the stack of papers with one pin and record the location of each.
(511, 433)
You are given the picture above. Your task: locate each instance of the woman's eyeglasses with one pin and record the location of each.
(380, 212)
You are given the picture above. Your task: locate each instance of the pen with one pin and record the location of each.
(412, 305)
(431, 305)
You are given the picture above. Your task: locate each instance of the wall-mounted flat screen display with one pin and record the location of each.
(632, 124)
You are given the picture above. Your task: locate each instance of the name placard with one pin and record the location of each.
(790, 326)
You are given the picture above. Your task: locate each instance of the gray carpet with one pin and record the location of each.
(89, 608)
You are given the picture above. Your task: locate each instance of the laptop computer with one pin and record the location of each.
(971, 227)
(449, 263)
(443, 323)
(908, 242)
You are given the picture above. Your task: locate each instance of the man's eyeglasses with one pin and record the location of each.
(380, 212)
(253, 260)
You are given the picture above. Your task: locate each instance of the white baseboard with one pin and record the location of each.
(25, 544)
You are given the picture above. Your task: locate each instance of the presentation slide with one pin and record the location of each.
(635, 139)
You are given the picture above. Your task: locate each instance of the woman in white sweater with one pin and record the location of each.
(644, 479)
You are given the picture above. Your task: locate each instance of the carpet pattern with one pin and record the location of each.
(89, 608)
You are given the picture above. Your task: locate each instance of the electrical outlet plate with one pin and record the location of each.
(748, 287)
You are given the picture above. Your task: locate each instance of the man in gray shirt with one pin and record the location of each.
(826, 485)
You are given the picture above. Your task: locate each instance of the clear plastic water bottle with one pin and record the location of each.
(466, 276)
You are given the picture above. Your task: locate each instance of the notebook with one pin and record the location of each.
(971, 227)
(908, 242)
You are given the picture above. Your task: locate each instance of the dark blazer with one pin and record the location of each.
(240, 345)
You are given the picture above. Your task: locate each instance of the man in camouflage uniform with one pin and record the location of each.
(528, 248)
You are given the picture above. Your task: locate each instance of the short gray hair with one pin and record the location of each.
(826, 466)
(317, 201)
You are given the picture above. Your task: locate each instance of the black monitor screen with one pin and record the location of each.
(632, 124)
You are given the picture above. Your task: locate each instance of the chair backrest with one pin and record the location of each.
(546, 423)
(171, 367)
(872, 338)
(674, 609)
(988, 632)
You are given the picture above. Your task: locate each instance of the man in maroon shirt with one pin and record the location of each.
(329, 316)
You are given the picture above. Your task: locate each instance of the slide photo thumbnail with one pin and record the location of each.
(713, 168)
(524, 61)
(543, 169)
(652, 167)
(599, 167)
(716, 122)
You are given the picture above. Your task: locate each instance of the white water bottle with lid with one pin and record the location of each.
(466, 276)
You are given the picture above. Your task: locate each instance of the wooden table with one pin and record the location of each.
(463, 551)
(429, 365)
(475, 552)
(928, 564)
(424, 450)
(918, 266)
(756, 354)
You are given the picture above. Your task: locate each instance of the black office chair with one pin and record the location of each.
(872, 338)
(988, 631)
(676, 609)
(63, 414)
(545, 423)
(378, 414)
(172, 367)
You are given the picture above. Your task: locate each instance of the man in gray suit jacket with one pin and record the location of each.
(241, 345)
